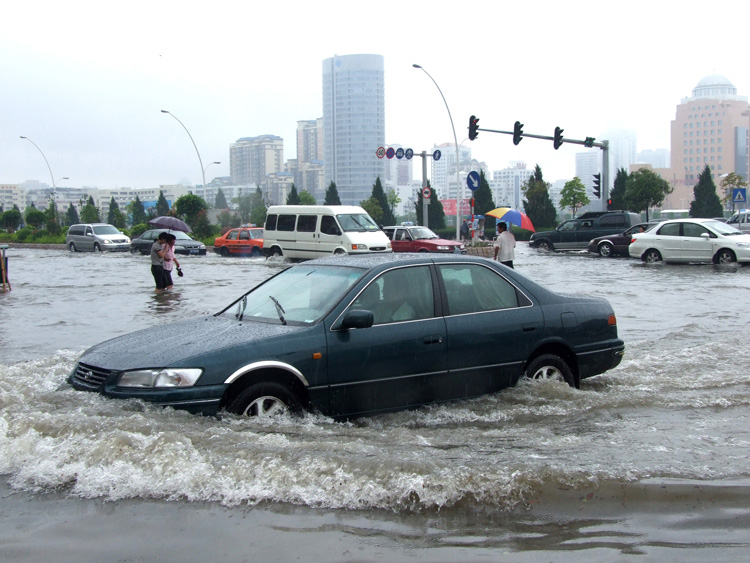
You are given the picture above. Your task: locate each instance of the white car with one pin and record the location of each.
(691, 240)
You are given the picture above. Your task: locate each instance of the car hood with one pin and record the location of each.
(439, 241)
(173, 343)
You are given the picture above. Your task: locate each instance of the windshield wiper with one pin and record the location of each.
(279, 309)
(241, 308)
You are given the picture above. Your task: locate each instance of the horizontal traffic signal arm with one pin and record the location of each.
(585, 142)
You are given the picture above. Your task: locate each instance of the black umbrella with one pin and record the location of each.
(170, 223)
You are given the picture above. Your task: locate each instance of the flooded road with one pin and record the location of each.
(650, 458)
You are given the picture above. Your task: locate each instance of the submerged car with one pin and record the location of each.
(692, 240)
(242, 240)
(420, 239)
(183, 244)
(359, 335)
(617, 245)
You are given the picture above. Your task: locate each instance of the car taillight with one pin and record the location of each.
(612, 321)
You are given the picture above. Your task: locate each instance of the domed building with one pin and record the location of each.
(710, 128)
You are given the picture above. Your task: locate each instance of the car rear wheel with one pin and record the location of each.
(133, 250)
(224, 251)
(725, 256)
(606, 249)
(276, 251)
(265, 399)
(256, 252)
(550, 366)
(72, 247)
(651, 255)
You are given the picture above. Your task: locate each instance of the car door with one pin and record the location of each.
(87, 242)
(402, 241)
(232, 241)
(329, 236)
(491, 327)
(396, 362)
(568, 233)
(695, 246)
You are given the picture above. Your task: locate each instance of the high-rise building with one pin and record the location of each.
(506, 184)
(309, 173)
(252, 159)
(353, 124)
(658, 158)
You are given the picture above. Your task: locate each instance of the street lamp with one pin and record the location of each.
(455, 141)
(200, 161)
(45, 159)
(206, 168)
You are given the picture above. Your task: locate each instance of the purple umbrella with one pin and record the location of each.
(170, 223)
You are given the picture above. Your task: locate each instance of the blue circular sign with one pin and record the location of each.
(390, 152)
(409, 154)
(399, 153)
(436, 155)
(472, 180)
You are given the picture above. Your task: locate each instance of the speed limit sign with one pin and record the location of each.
(426, 192)
(380, 152)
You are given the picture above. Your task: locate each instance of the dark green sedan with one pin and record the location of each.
(353, 335)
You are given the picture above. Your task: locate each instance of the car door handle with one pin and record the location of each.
(529, 328)
(432, 339)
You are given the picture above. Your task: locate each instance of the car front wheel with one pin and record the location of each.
(725, 257)
(550, 366)
(545, 245)
(72, 247)
(97, 248)
(606, 249)
(265, 399)
(652, 255)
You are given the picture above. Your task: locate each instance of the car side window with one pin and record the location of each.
(89, 231)
(670, 230)
(328, 225)
(286, 222)
(472, 288)
(307, 223)
(568, 226)
(402, 294)
(244, 235)
(233, 235)
(271, 223)
(693, 230)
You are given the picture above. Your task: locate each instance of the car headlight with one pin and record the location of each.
(742, 244)
(359, 247)
(202, 246)
(443, 247)
(170, 377)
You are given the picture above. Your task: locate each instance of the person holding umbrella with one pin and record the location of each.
(505, 244)
(170, 261)
(158, 251)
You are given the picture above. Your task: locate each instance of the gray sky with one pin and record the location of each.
(86, 81)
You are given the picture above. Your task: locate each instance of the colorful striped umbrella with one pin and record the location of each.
(512, 216)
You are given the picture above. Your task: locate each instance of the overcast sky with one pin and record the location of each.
(86, 80)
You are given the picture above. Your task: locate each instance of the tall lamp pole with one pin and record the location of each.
(45, 160)
(206, 168)
(459, 187)
(200, 161)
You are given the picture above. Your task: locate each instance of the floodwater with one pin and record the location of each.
(649, 459)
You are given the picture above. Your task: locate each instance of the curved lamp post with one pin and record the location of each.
(200, 161)
(206, 168)
(459, 187)
(45, 159)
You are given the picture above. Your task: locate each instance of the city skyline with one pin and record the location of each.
(91, 97)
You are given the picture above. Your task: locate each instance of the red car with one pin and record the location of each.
(420, 239)
(243, 240)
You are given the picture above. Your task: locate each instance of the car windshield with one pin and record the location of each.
(357, 222)
(422, 233)
(106, 230)
(179, 235)
(304, 293)
(722, 228)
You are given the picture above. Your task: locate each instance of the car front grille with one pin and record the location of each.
(90, 376)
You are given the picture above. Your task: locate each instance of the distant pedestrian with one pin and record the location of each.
(465, 231)
(505, 244)
(157, 261)
(170, 262)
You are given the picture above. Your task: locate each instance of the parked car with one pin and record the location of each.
(420, 239)
(348, 336)
(576, 233)
(740, 220)
(617, 245)
(242, 240)
(184, 243)
(691, 240)
(96, 237)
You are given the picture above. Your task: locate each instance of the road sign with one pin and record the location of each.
(472, 180)
(390, 152)
(409, 154)
(426, 192)
(436, 155)
(380, 152)
(739, 195)
(399, 153)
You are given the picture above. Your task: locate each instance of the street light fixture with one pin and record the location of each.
(455, 141)
(45, 159)
(206, 168)
(200, 161)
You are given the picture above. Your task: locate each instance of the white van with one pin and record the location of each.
(312, 231)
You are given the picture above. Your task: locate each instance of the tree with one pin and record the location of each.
(332, 195)
(706, 202)
(220, 202)
(188, 207)
(200, 224)
(306, 198)
(115, 216)
(379, 195)
(72, 215)
(617, 195)
(372, 206)
(393, 201)
(258, 208)
(645, 189)
(52, 218)
(34, 217)
(11, 219)
(136, 211)
(293, 197)
(89, 213)
(483, 201)
(728, 184)
(435, 211)
(162, 205)
(538, 205)
(573, 195)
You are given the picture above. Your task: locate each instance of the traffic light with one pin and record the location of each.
(517, 132)
(609, 204)
(589, 142)
(473, 126)
(597, 185)
(558, 138)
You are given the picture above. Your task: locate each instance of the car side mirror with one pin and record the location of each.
(357, 318)
(705, 236)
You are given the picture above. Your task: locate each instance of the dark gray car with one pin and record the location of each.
(183, 245)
